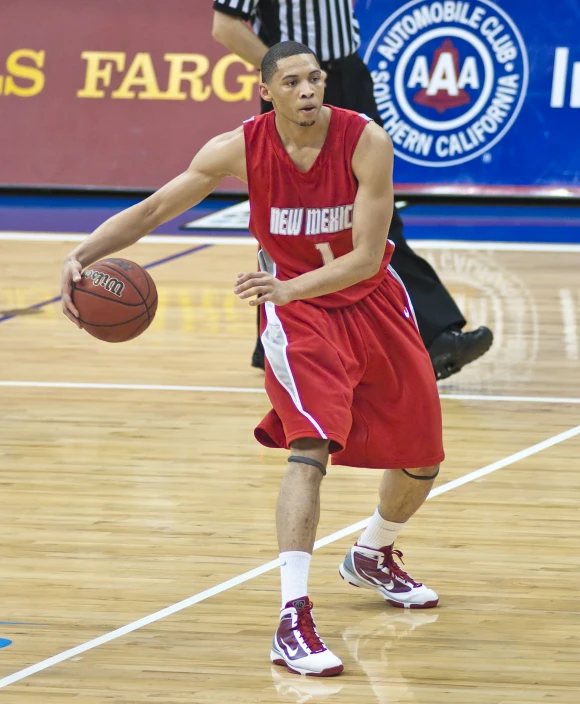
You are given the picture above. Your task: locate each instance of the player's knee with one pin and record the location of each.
(422, 473)
(315, 447)
(309, 455)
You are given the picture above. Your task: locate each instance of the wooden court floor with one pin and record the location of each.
(119, 502)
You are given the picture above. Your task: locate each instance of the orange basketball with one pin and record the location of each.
(116, 300)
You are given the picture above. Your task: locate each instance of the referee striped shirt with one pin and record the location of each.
(328, 27)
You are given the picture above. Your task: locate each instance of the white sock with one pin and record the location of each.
(380, 533)
(294, 567)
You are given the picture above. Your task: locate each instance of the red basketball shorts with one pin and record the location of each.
(358, 376)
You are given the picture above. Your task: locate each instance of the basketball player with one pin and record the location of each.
(347, 372)
(331, 30)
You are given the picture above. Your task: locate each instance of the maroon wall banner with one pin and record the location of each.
(113, 93)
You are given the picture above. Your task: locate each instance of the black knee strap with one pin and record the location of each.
(311, 462)
(416, 476)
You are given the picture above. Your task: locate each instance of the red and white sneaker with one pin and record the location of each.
(298, 646)
(377, 570)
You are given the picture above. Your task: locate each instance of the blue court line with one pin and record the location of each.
(36, 305)
(157, 262)
(16, 623)
(19, 623)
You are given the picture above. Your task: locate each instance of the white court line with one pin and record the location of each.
(149, 239)
(131, 387)
(251, 574)
(248, 240)
(254, 390)
(496, 246)
(510, 399)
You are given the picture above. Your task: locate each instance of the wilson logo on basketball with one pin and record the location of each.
(449, 79)
(109, 283)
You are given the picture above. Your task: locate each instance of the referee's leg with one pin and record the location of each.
(434, 306)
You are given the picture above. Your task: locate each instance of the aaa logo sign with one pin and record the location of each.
(449, 79)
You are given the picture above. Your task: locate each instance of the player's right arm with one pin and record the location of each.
(221, 156)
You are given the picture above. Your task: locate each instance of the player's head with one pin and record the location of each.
(294, 82)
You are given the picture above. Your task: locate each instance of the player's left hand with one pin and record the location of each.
(264, 285)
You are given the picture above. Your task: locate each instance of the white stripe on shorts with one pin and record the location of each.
(276, 348)
(395, 276)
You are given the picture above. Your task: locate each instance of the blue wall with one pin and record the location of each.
(478, 92)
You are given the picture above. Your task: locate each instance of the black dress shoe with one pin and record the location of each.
(453, 349)
(258, 356)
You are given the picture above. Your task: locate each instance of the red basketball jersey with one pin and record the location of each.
(304, 220)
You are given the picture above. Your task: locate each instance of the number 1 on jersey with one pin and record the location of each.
(325, 252)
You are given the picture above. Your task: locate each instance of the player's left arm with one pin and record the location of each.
(372, 165)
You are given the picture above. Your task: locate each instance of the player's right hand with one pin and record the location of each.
(71, 272)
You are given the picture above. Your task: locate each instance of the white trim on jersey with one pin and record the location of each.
(275, 344)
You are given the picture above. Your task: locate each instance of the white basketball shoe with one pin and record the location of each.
(377, 570)
(298, 646)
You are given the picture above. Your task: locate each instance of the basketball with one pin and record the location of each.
(116, 300)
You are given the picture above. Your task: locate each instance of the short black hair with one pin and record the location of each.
(282, 50)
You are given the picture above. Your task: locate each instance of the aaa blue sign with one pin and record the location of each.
(475, 93)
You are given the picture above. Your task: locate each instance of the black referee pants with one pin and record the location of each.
(349, 85)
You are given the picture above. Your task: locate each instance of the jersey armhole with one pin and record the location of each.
(357, 127)
(248, 126)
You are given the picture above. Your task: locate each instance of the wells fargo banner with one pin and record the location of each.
(477, 95)
(113, 93)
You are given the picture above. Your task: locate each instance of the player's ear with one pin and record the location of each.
(265, 93)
